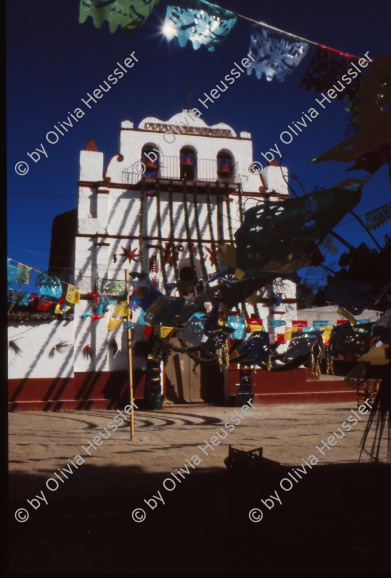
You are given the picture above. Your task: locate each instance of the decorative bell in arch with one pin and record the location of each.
(224, 171)
(187, 167)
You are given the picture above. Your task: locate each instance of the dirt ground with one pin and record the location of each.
(333, 518)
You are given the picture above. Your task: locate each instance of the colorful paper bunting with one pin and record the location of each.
(128, 14)
(327, 66)
(200, 22)
(257, 346)
(44, 304)
(121, 309)
(73, 294)
(301, 344)
(254, 324)
(18, 273)
(49, 285)
(275, 55)
(276, 322)
(239, 325)
(113, 323)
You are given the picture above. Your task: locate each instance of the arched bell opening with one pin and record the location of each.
(225, 165)
(188, 163)
(151, 159)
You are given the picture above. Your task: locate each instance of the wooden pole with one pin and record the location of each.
(130, 360)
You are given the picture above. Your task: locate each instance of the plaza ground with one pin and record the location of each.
(334, 519)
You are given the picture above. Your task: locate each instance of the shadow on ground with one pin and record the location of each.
(335, 519)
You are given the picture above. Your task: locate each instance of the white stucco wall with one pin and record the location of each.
(36, 340)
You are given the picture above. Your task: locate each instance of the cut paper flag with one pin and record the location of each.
(49, 285)
(375, 95)
(319, 324)
(254, 324)
(326, 68)
(378, 217)
(239, 326)
(288, 332)
(114, 287)
(280, 236)
(276, 322)
(301, 344)
(73, 294)
(121, 309)
(102, 305)
(299, 323)
(61, 307)
(18, 273)
(86, 314)
(44, 304)
(280, 338)
(275, 56)
(326, 334)
(129, 324)
(113, 323)
(257, 346)
(200, 22)
(128, 14)
(96, 316)
(165, 331)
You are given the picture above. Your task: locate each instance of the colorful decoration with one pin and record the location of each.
(239, 325)
(301, 344)
(121, 309)
(276, 322)
(254, 324)
(299, 323)
(113, 323)
(199, 21)
(129, 254)
(18, 273)
(375, 94)
(319, 324)
(128, 14)
(49, 285)
(44, 304)
(347, 338)
(275, 56)
(73, 294)
(326, 67)
(87, 352)
(257, 346)
(61, 307)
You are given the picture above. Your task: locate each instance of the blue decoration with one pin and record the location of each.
(200, 22)
(257, 346)
(48, 285)
(239, 325)
(275, 56)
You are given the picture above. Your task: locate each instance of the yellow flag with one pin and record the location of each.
(165, 331)
(121, 309)
(326, 334)
(288, 332)
(113, 323)
(60, 311)
(73, 294)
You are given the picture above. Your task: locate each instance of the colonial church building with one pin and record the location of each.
(167, 204)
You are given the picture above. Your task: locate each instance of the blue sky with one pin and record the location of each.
(53, 62)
